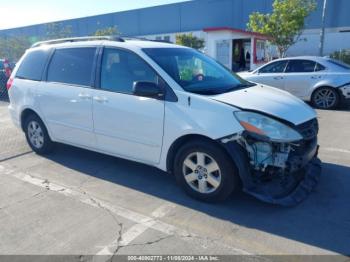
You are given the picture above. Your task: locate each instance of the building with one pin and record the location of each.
(221, 23)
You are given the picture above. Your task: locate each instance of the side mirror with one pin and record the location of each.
(147, 89)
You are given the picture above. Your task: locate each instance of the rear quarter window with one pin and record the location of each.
(33, 64)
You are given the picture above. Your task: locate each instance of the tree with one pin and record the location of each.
(13, 47)
(189, 40)
(342, 55)
(285, 24)
(107, 31)
(58, 30)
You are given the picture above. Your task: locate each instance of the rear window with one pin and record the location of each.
(72, 66)
(32, 65)
(339, 63)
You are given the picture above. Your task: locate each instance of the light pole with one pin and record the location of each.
(323, 27)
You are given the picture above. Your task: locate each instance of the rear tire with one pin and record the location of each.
(37, 135)
(205, 171)
(325, 98)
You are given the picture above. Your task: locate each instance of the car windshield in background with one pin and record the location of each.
(339, 63)
(195, 72)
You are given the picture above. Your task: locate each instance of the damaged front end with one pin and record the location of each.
(277, 171)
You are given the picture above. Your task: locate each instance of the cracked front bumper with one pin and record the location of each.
(303, 174)
(311, 174)
(345, 90)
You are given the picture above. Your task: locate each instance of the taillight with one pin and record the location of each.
(9, 83)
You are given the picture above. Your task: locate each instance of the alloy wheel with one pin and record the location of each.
(35, 134)
(325, 98)
(202, 173)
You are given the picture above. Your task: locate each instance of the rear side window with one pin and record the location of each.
(1, 65)
(319, 67)
(33, 65)
(72, 66)
(301, 66)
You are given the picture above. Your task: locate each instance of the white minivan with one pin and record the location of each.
(170, 107)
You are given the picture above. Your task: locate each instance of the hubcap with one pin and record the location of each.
(35, 134)
(325, 98)
(201, 172)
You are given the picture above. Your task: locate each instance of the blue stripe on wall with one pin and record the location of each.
(188, 16)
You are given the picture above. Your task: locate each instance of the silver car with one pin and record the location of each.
(324, 82)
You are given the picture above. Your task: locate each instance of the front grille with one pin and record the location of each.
(309, 129)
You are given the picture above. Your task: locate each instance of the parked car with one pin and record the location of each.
(324, 82)
(170, 107)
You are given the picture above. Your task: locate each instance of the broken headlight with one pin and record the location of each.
(265, 126)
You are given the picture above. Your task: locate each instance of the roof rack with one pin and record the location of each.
(78, 39)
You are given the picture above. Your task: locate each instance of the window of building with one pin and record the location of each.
(33, 65)
(72, 66)
(120, 69)
(167, 38)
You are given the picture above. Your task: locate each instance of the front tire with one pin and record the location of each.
(205, 171)
(37, 135)
(325, 98)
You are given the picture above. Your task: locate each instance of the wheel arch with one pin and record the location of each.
(180, 142)
(325, 86)
(25, 113)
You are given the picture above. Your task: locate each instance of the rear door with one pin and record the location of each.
(66, 96)
(301, 76)
(127, 125)
(271, 74)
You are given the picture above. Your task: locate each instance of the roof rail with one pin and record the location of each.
(147, 39)
(78, 39)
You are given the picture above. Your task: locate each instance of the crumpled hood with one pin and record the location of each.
(271, 101)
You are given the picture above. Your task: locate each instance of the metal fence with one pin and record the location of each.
(3, 89)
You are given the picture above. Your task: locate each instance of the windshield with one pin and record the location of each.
(196, 72)
(339, 63)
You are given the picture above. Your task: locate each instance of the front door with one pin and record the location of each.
(127, 125)
(66, 97)
(272, 74)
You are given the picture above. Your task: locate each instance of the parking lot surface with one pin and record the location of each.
(79, 202)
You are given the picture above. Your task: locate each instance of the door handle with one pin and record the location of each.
(278, 77)
(315, 77)
(84, 96)
(100, 99)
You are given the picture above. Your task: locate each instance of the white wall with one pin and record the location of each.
(334, 41)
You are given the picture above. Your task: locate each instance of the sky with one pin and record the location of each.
(15, 13)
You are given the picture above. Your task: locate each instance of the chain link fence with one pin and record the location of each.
(3, 90)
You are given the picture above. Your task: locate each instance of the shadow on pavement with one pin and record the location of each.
(323, 220)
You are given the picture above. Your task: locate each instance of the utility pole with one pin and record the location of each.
(323, 27)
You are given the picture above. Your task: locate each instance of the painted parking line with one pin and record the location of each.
(339, 150)
(135, 231)
(142, 221)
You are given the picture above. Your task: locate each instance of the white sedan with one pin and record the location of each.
(322, 81)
